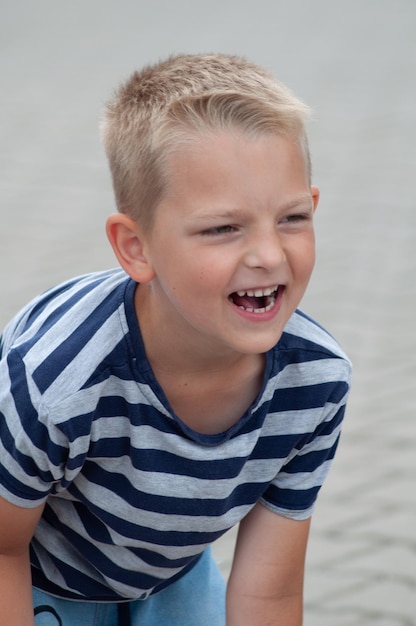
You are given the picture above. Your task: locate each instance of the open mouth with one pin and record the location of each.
(255, 300)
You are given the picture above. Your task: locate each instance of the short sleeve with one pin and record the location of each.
(34, 453)
(294, 490)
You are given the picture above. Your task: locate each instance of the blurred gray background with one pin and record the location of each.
(354, 63)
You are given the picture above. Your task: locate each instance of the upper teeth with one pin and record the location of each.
(258, 293)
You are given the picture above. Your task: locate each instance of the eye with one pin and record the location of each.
(299, 220)
(296, 218)
(220, 230)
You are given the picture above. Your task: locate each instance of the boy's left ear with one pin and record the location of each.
(315, 196)
(128, 243)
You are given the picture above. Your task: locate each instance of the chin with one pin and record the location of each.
(260, 347)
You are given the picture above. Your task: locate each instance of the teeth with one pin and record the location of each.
(269, 293)
(258, 293)
(261, 310)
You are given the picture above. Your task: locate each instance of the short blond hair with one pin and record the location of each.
(181, 98)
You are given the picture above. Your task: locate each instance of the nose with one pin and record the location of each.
(265, 251)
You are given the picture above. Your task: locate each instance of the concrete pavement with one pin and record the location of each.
(354, 62)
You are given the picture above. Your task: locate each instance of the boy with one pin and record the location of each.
(146, 410)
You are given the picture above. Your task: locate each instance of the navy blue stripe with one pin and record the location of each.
(148, 535)
(310, 461)
(137, 414)
(98, 531)
(94, 555)
(18, 488)
(324, 429)
(308, 397)
(118, 483)
(55, 315)
(275, 446)
(88, 589)
(34, 429)
(293, 500)
(296, 349)
(51, 367)
(43, 302)
(150, 460)
(113, 363)
(24, 461)
(84, 586)
(327, 428)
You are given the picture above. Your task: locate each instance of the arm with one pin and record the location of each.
(17, 528)
(266, 581)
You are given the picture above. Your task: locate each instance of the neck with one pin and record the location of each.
(231, 381)
(180, 353)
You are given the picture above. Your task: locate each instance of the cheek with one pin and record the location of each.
(308, 266)
(304, 259)
(208, 273)
(310, 256)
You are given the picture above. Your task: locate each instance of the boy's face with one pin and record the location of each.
(232, 245)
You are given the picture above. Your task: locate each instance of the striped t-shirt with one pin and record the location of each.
(133, 495)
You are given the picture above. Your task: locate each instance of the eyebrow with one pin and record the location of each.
(229, 213)
(218, 215)
(304, 198)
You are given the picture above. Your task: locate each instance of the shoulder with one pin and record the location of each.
(64, 335)
(304, 341)
(79, 296)
(307, 367)
(304, 333)
(58, 355)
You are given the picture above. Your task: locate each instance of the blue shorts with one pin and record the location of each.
(196, 599)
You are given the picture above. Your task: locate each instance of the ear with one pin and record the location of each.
(315, 197)
(129, 245)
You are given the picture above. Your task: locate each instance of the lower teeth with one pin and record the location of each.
(262, 310)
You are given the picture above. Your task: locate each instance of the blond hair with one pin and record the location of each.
(183, 97)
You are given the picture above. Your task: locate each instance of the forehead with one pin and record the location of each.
(218, 156)
(222, 171)
(207, 137)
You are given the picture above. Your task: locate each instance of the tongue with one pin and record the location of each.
(248, 302)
